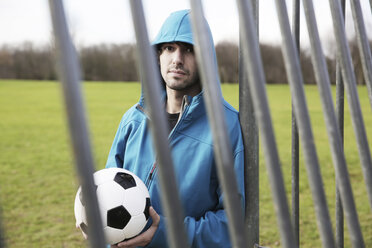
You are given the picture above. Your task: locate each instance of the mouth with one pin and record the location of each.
(178, 72)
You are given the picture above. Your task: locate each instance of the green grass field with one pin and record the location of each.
(38, 180)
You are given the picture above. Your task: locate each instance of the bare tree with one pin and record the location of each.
(227, 57)
(272, 60)
(119, 62)
(6, 63)
(109, 63)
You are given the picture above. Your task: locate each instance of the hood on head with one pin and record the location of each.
(176, 28)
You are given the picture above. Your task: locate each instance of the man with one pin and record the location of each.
(191, 142)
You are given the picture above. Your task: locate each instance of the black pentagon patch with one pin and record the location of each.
(118, 217)
(146, 212)
(84, 228)
(125, 180)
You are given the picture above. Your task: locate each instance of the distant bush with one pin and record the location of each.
(27, 62)
(109, 62)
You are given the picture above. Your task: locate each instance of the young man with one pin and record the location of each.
(191, 142)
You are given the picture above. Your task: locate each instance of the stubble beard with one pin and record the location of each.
(188, 84)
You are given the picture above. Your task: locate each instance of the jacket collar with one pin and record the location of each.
(194, 104)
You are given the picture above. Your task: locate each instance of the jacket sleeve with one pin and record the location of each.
(116, 155)
(212, 229)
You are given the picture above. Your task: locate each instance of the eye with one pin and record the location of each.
(168, 48)
(190, 49)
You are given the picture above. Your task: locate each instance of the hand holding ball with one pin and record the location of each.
(123, 201)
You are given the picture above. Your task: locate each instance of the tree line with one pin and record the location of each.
(119, 63)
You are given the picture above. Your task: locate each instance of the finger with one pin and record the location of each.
(84, 235)
(154, 216)
(140, 240)
(134, 242)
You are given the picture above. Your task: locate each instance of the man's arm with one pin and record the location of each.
(116, 154)
(210, 231)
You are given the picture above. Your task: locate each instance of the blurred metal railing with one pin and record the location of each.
(349, 80)
(216, 116)
(364, 49)
(340, 104)
(294, 74)
(339, 161)
(253, 98)
(256, 79)
(295, 137)
(69, 73)
(251, 143)
(2, 235)
(151, 84)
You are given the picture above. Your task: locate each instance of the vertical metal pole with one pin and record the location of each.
(256, 76)
(152, 91)
(348, 75)
(216, 115)
(251, 146)
(340, 103)
(340, 121)
(303, 121)
(2, 235)
(339, 161)
(364, 49)
(295, 138)
(69, 74)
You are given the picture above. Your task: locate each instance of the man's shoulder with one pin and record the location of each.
(233, 125)
(230, 111)
(133, 114)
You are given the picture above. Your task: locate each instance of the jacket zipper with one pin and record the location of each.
(154, 167)
(183, 113)
(149, 178)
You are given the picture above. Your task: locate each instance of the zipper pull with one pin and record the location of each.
(152, 171)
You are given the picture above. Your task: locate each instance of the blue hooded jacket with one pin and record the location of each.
(192, 152)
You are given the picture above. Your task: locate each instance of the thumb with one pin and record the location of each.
(154, 216)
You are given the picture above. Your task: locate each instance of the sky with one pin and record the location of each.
(109, 21)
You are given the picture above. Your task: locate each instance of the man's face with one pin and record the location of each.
(178, 66)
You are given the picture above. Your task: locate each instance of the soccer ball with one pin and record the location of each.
(123, 200)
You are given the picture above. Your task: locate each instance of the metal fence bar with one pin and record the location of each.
(348, 75)
(251, 147)
(364, 49)
(303, 121)
(68, 68)
(2, 235)
(295, 138)
(159, 129)
(257, 81)
(338, 157)
(340, 121)
(340, 103)
(215, 112)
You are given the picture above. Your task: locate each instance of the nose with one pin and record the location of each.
(178, 57)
